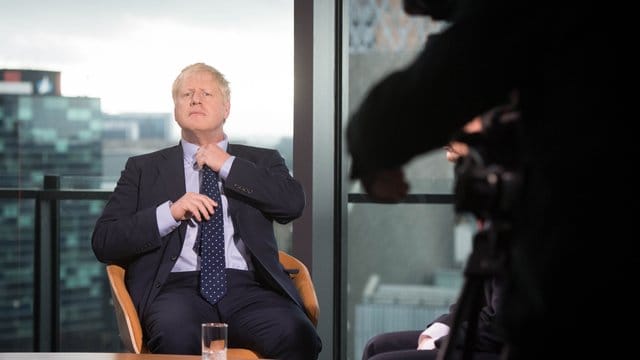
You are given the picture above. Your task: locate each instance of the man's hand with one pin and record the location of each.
(457, 149)
(193, 205)
(386, 185)
(212, 156)
(426, 342)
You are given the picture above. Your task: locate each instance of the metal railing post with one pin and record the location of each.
(46, 268)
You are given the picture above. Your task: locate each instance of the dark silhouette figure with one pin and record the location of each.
(559, 57)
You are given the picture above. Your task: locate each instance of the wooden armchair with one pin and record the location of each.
(299, 272)
(130, 329)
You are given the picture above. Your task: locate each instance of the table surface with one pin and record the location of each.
(95, 356)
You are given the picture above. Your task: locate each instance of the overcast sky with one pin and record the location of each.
(127, 52)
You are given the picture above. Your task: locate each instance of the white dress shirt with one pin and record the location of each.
(236, 255)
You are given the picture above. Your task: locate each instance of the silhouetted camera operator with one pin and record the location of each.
(559, 56)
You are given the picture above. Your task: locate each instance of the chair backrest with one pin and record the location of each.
(299, 272)
(126, 314)
(129, 327)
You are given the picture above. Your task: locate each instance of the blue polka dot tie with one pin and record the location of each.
(213, 280)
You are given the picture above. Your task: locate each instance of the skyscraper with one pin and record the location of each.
(45, 133)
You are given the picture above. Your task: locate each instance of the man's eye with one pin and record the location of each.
(206, 93)
(187, 94)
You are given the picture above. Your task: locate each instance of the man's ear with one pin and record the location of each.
(227, 110)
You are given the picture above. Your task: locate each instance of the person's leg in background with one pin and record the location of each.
(393, 345)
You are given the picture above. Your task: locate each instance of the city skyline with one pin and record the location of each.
(127, 54)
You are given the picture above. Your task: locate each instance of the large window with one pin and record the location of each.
(84, 86)
(125, 55)
(404, 260)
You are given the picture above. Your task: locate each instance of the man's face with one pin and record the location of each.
(199, 105)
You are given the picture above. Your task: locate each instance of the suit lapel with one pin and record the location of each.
(171, 173)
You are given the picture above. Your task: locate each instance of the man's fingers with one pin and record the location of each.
(204, 207)
(197, 206)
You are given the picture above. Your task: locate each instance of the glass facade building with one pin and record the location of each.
(41, 134)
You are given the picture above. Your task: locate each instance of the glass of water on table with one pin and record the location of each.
(214, 341)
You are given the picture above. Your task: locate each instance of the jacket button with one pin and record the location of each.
(158, 284)
(173, 258)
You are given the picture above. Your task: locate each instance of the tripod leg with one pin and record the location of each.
(468, 308)
(472, 322)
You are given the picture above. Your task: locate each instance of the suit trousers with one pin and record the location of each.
(401, 345)
(259, 318)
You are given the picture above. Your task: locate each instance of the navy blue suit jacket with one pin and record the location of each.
(259, 189)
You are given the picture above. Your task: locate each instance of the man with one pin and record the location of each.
(151, 226)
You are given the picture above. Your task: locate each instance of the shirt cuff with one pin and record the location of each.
(436, 331)
(166, 222)
(226, 167)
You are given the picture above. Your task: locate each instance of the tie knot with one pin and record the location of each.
(208, 171)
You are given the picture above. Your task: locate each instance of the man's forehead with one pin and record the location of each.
(198, 77)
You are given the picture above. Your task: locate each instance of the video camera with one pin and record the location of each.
(488, 179)
(488, 183)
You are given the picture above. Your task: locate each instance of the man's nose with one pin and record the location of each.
(195, 98)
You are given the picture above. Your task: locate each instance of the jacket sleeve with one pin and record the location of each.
(265, 183)
(127, 226)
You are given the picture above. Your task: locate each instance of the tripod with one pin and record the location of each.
(487, 260)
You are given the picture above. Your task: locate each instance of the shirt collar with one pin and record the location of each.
(189, 149)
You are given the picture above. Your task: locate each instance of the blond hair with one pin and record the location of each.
(223, 84)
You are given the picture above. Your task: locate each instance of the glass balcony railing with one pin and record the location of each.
(54, 294)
